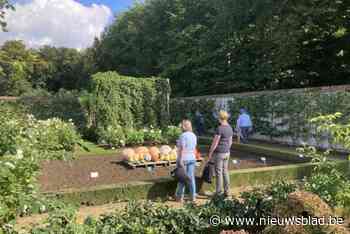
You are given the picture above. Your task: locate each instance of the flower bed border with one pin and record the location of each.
(162, 188)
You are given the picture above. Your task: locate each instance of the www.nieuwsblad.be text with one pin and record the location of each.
(216, 220)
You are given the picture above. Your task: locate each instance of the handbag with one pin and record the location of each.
(179, 173)
(208, 173)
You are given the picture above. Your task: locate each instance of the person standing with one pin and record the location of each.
(244, 125)
(186, 145)
(199, 123)
(219, 153)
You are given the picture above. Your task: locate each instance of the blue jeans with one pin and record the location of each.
(190, 167)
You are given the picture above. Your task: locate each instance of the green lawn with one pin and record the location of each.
(91, 149)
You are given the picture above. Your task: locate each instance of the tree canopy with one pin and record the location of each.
(221, 46)
(23, 69)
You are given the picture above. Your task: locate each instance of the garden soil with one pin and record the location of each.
(89, 171)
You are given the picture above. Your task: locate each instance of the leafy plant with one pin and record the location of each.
(172, 133)
(134, 137)
(153, 135)
(113, 136)
(326, 180)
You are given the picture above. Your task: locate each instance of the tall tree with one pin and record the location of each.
(221, 46)
(4, 5)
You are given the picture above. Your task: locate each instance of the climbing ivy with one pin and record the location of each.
(274, 114)
(117, 100)
(186, 109)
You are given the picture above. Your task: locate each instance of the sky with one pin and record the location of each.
(61, 23)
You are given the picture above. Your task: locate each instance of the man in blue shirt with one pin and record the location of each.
(244, 125)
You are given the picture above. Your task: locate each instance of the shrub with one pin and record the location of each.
(113, 136)
(23, 143)
(172, 133)
(153, 135)
(343, 199)
(64, 105)
(134, 137)
(52, 135)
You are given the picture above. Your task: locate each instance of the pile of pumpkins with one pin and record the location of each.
(152, 154)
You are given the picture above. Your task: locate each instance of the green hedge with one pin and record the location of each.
(287, 113)
(128, 101)
(63, 104)
(186, 108)
(274, 114)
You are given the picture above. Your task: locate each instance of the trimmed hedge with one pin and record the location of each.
(128, 101)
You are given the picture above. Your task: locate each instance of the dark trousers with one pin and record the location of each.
(244, 134)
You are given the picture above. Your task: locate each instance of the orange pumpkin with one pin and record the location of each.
(154, 152)
(128, 154)
(142, 150)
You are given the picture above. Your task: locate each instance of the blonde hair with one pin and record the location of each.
(223, 115)
(186, 125)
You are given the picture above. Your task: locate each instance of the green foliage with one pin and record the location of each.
(24, 142)
(134, 137)
(114, 136)
(326, 180)
(172, 133)
(223, 46)
(152, 218)
(128, 102)
(64, 104)
(186, 109)
(280, 190)
(22, 69)
(153, 135)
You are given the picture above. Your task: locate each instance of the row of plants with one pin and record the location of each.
(153, 218)
(111, 100)
(119, 137)
(275, 114)
(326, 180)
(24, 143)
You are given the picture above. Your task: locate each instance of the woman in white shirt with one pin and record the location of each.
(187, 144)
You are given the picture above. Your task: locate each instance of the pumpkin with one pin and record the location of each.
(132, 158)
(128, 153)
(198, 154)
(142, 150)
(165, 149)
(173, 154)
(154, 152)
(138, 157)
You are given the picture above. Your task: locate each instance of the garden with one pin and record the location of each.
(115, 144)
(88, 136)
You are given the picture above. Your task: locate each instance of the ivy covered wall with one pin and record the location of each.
(277, 115)
(128, 101)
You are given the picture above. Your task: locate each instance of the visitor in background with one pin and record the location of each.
(219, 153)
(199, 123)
(186, 145)
(244, 125)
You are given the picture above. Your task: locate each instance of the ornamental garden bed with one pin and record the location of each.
(87, 172)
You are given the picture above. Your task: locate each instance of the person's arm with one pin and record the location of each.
(230, 142)
(180, 150)
(213, 146)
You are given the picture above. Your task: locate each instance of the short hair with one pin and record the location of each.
(223, 115)
(186, 125)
